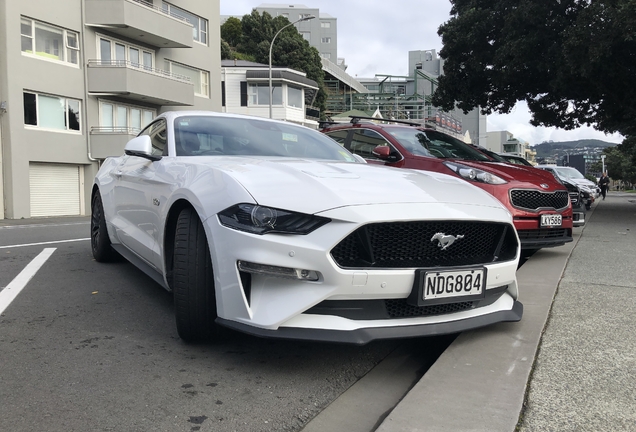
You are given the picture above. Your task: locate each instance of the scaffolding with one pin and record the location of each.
(398, 97)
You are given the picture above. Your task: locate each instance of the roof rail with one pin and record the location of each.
(355, 119)
(325, 123)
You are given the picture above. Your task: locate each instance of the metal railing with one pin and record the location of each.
(140, 67)
(160, 10)
(115, 130)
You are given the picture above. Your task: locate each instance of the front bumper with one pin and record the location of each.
(545, 237)
(365, 335)
(272, 306)
(578, 218)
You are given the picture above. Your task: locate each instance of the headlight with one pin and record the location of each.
(475, 174)
(262, 220)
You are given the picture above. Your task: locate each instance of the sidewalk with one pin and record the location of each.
(568, 365)
(584, 377)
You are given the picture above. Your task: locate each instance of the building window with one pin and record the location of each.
(325, 55)
(306, 35)
(326, 40)
(200, 78)
(199, 25)
(115, 117)
(305, 16)
(285, 14)
(51, 112)
(294, 97)
(50, 42)
(324, 24)
(113, 51)
(259, 94)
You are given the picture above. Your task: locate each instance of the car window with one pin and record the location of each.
(433, 143)
(339, 136)
(158, 137)
(236, 136)
(364, 141)
(569, 172)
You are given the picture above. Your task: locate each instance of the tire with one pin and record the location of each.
(100, 242)
(588, 205)
(193, 280)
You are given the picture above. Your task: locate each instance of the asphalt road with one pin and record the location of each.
(93, 347)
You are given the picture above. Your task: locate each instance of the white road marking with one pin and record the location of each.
(42, 225)
(43, 243)
(11, 291)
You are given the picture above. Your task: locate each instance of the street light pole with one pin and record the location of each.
(603, 159)
(271, 90)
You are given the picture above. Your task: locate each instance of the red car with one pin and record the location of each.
(539, 204)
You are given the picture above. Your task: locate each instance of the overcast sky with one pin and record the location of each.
(375, 36)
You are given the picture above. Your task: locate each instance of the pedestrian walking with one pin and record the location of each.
(603, 183)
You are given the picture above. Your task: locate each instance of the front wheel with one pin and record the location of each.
(194, 293)
(100, 242)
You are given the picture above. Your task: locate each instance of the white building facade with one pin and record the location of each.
(245, 90)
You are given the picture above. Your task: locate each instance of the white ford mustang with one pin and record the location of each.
(275, 230)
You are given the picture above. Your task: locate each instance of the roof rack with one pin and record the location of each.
(325, 123)
(355, 119)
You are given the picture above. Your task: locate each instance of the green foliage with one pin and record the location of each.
(620, 163)
(231, 31)
(226, 51)
(290, 49)
(590, 177)
(570, 60)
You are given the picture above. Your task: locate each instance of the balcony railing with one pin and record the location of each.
(137, 66)
(115, 130)
(161, 10)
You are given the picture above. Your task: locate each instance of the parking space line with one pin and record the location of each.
(11, 291)
(43, 243)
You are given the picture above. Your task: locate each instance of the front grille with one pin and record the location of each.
(411, 244)
(401, 309)
(540, 234)
(534, 200)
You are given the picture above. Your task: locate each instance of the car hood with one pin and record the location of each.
(510, 172)
(312, 186)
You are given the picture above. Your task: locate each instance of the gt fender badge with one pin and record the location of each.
(155, 201)
(444, 240)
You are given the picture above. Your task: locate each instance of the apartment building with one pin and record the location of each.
(321, 33)
(505, 142)
(79, 78)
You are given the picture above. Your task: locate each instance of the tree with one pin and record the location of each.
(289, 50)
(570, 60)
(231, 31)
(620, 165)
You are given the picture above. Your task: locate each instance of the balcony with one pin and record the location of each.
(141, 21)
(110, 141)
(139, 83)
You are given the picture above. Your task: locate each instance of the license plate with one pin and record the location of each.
(551, 220)
(445, 285)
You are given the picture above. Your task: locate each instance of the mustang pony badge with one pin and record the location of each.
(445, 240)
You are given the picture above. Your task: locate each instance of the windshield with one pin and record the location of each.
(433, 143)
(214, 136)
(569, 172)
(518, 160)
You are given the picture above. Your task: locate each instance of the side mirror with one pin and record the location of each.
(381, 152)
(141, 146)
